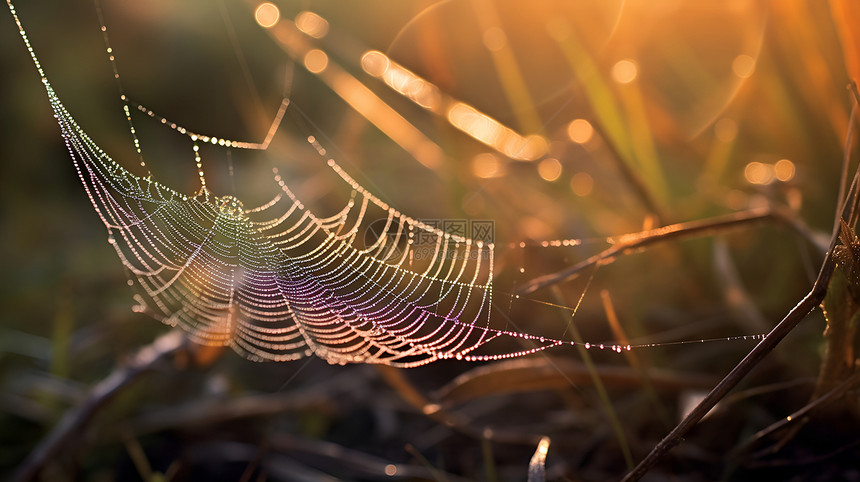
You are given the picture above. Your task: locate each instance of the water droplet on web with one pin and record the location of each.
(230, 207)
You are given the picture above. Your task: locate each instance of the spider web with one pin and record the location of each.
(278, 282)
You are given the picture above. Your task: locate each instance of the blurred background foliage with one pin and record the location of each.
(640, 114)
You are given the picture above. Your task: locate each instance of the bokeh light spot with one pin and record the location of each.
(743, 66)
(758, 173)
(267, 15)
(784, 170)
(582, 184)
(375, 63)
(726, 130)
(391, 470)
(580, 131)
(316, 61)
(495, 39)
(549, 169)
(312, 24)
(486, 165)
(625, 71)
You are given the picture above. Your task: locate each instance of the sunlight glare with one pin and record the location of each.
(402, 80)
(489, 131)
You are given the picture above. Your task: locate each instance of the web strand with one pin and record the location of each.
(279, 282)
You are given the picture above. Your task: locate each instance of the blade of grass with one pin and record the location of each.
(598, 383)
(632, 358)
(437, 475)
(489, 459)
(537, 465)
(642, 139)
(609, 121)
(509, 73)
(138, 457)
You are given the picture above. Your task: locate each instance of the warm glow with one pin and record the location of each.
(758, 173)
(495, 39)
(726, 130)
(784, 170)
(534, 228)
(486, 165)
(316, 61)
(476, 124)
(391, 470)
(402, 80)
(375, 63)
(549, 169)
(582, 184)
(312, 24)
(580, 131)
(625, 71)
(267, 15)
(489, 131)
(528, 148)
(743, 66)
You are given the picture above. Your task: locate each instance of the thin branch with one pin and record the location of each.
(796, 417)
(633, 242)
(74, 421)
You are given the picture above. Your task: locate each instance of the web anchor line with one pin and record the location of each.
(279, 282)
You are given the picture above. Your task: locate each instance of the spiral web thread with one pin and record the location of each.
(277, 282)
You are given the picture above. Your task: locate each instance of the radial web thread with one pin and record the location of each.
(277, 282)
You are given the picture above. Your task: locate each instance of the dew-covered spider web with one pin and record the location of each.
(279, 282)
